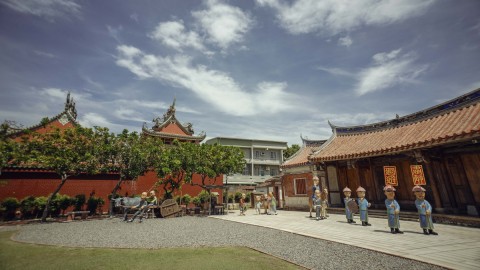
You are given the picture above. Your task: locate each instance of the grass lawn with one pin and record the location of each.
(15, 255)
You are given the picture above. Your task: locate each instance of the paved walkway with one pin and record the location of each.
(455, 247)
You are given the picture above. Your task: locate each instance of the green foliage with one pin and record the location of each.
(204, 196)
(40, 203)
(80, 200)
(247, 197)
(94, 203)
(61, 202)
(186, 199)
(196, 201)
(10, 204)
(27, 206)
(238, 196)
(67, 152)
(231, 198)
(290, 151)
(44, 121)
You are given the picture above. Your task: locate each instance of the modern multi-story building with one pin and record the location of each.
(263, 159)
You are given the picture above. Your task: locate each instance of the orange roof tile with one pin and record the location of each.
(444, 125)
(300, 158)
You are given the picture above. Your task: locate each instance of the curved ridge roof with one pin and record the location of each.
(453, 121)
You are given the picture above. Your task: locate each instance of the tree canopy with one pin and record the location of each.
(291, 150)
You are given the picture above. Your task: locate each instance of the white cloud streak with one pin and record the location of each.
(332, 17)
(345, 41)
(174, 35)
(213, 86)
(224, 24)
(47, 9)
(388, 69)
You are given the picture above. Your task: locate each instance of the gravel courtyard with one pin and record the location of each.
(208, 232)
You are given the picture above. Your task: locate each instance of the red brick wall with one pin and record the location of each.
(23, 184)
(288, 184)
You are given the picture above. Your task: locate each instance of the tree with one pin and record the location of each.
(290, 151)
(212, 161)
(174, 166)
(127, 153)
(8, 148)
(67, 152)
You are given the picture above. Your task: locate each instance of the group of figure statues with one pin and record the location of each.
(361, 206)
(142, 207)
(319, 200)
(266, 201)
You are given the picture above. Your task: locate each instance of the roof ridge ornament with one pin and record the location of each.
(70, 107)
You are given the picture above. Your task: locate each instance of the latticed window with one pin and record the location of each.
(300, 186)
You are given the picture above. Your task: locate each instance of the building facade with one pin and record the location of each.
(437, 147)
(297, 175)
(263, 159)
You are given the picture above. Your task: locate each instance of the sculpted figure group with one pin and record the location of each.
(361, 206)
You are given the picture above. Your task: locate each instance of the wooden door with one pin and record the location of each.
(458, 181)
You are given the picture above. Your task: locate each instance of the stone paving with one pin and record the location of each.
(455, 247)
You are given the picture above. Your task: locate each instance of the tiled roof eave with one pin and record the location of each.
(51, 120)
(174, 136)
(401, 149)
(169, 119)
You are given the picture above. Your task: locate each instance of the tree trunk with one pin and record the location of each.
(112, 197)
(47, 207)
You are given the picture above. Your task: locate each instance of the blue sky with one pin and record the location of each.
(260, 69)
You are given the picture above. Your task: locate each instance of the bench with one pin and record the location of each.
(73, 214)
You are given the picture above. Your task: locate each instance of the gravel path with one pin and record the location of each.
(202, 231)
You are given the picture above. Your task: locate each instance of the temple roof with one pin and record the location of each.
(69, 115)
(457, 120)
(300, 158)
(169, 127)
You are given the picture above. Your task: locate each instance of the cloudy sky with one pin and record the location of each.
(259, 69)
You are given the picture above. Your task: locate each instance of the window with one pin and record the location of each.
(273, 155)
(300, 187)
(246, 170)
(257, 154)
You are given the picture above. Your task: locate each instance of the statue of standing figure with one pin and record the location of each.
(315, 187)
(363, 206)
(348, 202)
(424, 211)
(393, 210)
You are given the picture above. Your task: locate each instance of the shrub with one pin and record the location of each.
(230, 198)
(79, 202)
(10, 204)
(247, 198)
(196, 201)
(186, 199)
(39, 203)
(94, 203)
(27, 206)
(238, 196)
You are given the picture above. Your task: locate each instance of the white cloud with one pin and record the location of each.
(174, 35)
(333, 17)
(134, 17)
(213, 86)
(92, 119)
(337, 71)
(388, 69)
(224, 24)
(114, 32)
(345, 41)
(48, 9)
(44, 54)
